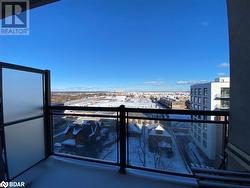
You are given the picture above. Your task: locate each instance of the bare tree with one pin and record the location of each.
(141, 147)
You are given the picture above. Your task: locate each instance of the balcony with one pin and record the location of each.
(62, 146)
(222, 97)
(222, 107)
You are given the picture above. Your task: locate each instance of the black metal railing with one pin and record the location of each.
(124, 115)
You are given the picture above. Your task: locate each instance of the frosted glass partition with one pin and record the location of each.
(24, 145)
(22, 95)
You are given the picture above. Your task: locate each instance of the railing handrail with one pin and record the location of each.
(85, 108)
(20, 67)
(143, 110)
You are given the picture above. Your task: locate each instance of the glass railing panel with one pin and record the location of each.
(175, 145)
(24, 145)
(84, 136)
(22, 94)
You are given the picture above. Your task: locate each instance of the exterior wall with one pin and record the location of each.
(213, 139)
(208, 151)
(216, 90)
(172, 104)
(239, 122)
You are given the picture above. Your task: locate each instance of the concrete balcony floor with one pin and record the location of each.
(64, 173)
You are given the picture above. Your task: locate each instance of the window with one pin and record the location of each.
(205, 91)
(199, 138)
(195, 134)
(195, 99)
(199, 100)
(192, 91)
(199, 91)
(199, 131)
(204, 127)
(196, 90)
(205, 135)
(224, 92)
(225, 104)
(192, 128)
(192, 99)
(195, 126)
(204, 143)
(205, 101)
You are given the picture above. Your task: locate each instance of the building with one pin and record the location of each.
(210, 96)
(172, 103)
(86, 132)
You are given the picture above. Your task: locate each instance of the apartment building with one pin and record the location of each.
(170, 103)
(210, 96)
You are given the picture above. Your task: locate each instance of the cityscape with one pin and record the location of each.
(166, 145)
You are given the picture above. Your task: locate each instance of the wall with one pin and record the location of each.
(239, 127)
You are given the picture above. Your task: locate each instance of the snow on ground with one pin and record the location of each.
(109, 152)
(173, 162)
(115, 102)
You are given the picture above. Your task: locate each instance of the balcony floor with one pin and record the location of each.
(62, 172)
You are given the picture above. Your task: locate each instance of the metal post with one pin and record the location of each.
(3, 167)
(122, 140)
(225, 139)
(47, 122)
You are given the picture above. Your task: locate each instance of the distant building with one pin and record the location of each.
(210, 96)
(172, 103)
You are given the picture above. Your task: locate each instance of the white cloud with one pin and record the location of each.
(154, 83)
(223, 65)
(190, 82)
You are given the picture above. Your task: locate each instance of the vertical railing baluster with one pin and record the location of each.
(122, 140)
(47, 115)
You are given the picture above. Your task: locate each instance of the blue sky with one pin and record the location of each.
(125, 44)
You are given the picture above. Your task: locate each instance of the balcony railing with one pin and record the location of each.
(222, 107)
(222, 97)
(154, 140)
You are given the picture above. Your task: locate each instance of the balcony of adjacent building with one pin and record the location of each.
(223, 105)
(61, 146)
(224, 96)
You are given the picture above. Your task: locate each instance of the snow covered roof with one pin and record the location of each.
(164, 133)
(159, 128)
